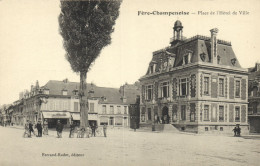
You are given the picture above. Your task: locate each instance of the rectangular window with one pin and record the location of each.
(149, 92)
(221, 87)
(165, 89)
(151, 69)
(186, 59)
(221, 113)
(125, 109)
(237, 114)
(91, 109)
(206, 112)
(237, 88)
(183, 112)
(149, 114)
(64, 92)
(104, 109)
(206, 85)
(76, 106)
(111, 109)
(184, 87)
(118, 109)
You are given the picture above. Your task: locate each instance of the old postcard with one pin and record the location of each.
(129, 82)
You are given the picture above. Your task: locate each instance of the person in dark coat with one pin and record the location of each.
(39, 128)
(105, 130)
(72, 128)
(31, 129)
(93, 128)
(59, 129)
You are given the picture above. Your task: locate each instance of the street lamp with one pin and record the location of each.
(42, 98)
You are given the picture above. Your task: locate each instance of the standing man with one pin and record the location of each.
(39, 128)
(45, 127)
(59, 129)
(105, 130)
(93, 128)
(72, 128)
(31, 129)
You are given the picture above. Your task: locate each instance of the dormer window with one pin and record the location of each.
(46, 91)
(203, 56)
(186, 58)
(151, 69)
(64, 92)
(233, 61)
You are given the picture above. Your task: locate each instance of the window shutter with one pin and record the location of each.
(231, 113)
(214, 86)
(243, 89)
(243, 113)
(231, 88)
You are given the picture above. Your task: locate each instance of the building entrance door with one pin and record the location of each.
(111, 121)
(165, 115)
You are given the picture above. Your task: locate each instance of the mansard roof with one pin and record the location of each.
(197, 46)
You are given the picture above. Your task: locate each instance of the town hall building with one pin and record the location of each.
(196, 84)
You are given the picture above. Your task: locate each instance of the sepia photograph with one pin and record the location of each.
(130, 82)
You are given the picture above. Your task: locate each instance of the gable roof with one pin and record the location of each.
(112, 95)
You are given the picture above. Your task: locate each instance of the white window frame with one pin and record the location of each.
(203, 113)
(235, 87)
(147, 88)
(180, 86)
(167, 90)
(223, 112)
(222, 78)
(237, 106)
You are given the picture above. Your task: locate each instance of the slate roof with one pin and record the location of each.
(112, 95)
(197, 45)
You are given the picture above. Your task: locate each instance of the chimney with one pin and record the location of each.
(257, 66)
(214, 32)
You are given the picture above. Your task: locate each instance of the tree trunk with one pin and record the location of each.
(83, 100)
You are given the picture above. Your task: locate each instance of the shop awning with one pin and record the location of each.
(75, 116)
(56, 115)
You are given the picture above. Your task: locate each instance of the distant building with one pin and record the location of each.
(195, 84)
(58, 100)
(254, 98)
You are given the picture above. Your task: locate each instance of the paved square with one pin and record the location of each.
(126, 147)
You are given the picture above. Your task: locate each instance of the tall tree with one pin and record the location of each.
(86, 28)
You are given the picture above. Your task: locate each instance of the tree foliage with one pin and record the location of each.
(86, 28)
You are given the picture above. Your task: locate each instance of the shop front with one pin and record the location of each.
(54, 116)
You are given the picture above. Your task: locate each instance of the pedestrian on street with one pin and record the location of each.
(39, 128)
(93, 128)
(45, 127)
(72, 128)
(31, 129)
(26, 128)
(105, 130)
(238, 130)
(59, 129)
(235, 131)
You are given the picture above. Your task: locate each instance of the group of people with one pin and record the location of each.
(237, 131)
(164, 119)
(74, 128)
(81, 131)
(29, 128)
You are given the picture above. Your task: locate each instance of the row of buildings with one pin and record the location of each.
(58, 100)
(198, 85)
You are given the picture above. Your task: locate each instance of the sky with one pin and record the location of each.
(31, 46)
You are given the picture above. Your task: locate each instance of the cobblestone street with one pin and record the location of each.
(126, 147)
